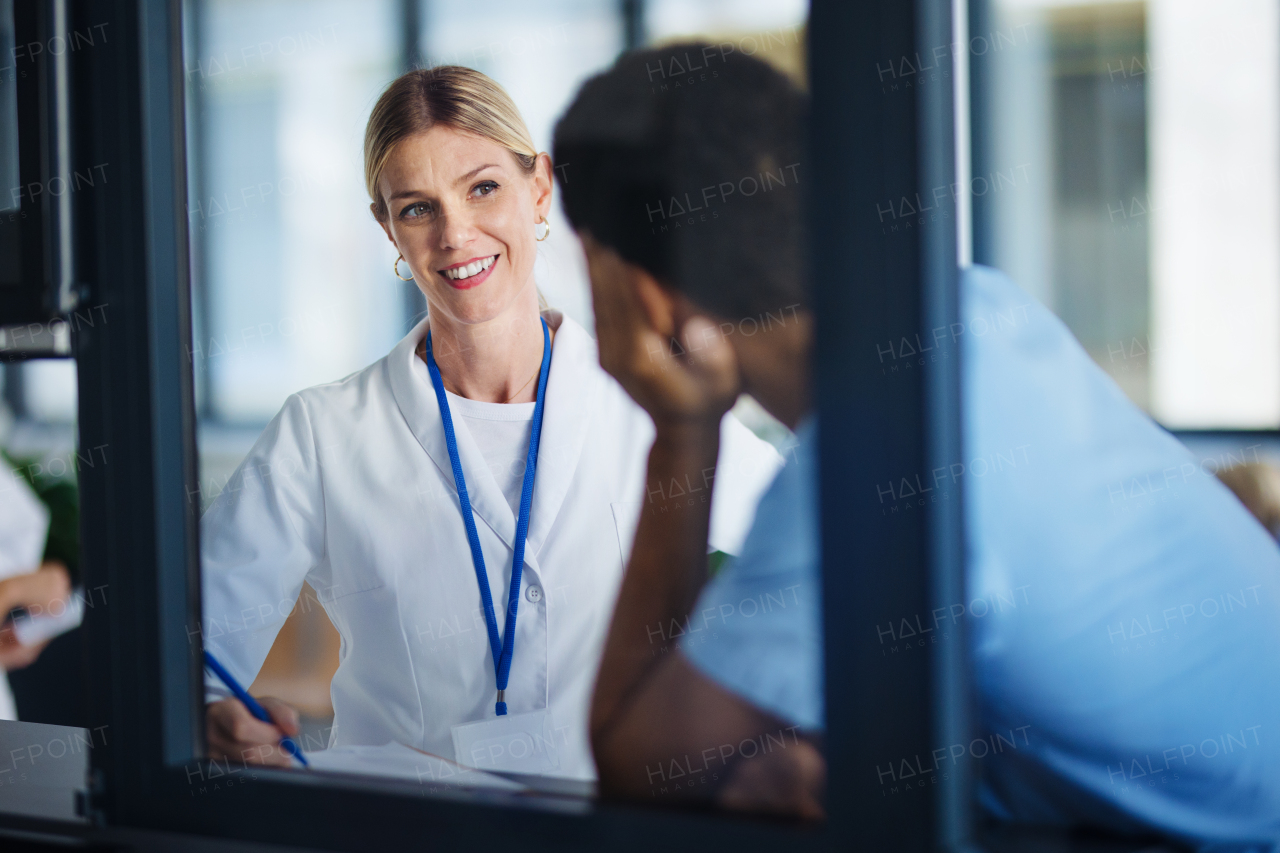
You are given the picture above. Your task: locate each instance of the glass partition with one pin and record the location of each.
(294, 287)
(1040, 612)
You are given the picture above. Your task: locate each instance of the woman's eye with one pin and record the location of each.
(484, 188)
(415, 211)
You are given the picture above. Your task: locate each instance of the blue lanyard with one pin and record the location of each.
(502, 648)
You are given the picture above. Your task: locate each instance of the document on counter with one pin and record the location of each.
(396, 761)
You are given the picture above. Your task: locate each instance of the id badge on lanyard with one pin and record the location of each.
(502, 647)
(519, 743)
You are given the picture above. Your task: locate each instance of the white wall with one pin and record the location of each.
(1214, 170)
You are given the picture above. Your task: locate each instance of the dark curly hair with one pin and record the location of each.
(688, 162)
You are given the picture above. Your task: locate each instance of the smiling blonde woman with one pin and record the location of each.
(472, 589)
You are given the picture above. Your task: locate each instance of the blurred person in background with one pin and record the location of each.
(407, 494)
(26, 580)
(1083, 666)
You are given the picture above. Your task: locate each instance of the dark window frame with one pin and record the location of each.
(141, 509)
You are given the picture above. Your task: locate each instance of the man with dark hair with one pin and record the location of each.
(682, 217)
(1120, 698)
(714, 208)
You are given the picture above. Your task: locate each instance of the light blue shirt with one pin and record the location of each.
(758, 626)
(1123, 607)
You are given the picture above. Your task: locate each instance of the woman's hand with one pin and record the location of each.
(39, 591)
(692, 383)
(14, 655)
(236, 735)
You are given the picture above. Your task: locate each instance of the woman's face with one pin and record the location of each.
(462, 212)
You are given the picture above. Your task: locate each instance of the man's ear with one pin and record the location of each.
(657, 302)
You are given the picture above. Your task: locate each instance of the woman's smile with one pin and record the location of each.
(468, 274)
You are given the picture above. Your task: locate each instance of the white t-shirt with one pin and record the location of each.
(501, 433)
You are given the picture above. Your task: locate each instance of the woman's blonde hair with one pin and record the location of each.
(457, 97)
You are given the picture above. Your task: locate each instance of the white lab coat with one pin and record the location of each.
(350, 488)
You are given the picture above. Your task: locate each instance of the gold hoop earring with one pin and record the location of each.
(545, 234)
(396, 269)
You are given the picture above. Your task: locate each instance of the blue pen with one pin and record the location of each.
(252, 704)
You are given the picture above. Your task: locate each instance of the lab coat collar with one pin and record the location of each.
(572, 387)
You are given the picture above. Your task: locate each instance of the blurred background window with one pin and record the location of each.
(292, 282)
(1129, 179)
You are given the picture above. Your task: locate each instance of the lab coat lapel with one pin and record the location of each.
(572, 389)
(411, 384)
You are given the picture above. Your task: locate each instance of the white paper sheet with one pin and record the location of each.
(397, 761)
